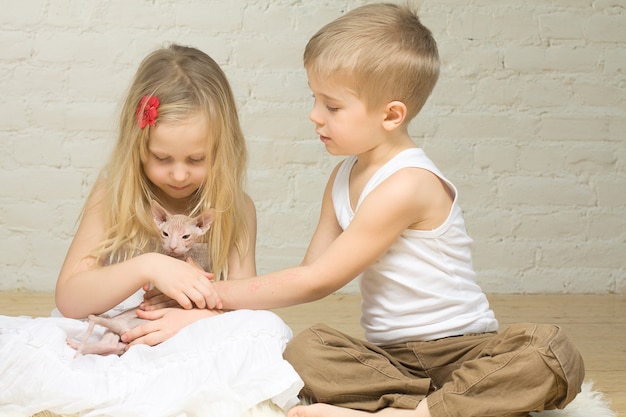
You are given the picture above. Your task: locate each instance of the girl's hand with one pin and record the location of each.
(191, 262)
(163, 324)
(184, 284)
(154, 299)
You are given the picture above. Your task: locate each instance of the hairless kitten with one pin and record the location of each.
(178, 235)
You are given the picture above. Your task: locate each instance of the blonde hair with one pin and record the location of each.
(186, 81)
(381, 51)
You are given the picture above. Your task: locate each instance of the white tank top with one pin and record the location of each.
(424, 287)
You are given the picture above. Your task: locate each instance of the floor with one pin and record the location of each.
(596, 323)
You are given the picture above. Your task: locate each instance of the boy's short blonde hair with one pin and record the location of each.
(381, 51)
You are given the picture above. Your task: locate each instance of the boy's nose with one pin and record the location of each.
(314, 116)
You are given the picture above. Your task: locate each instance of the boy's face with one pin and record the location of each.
(342, 119)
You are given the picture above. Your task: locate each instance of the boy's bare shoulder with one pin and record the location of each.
(416, 195)
(417, 181)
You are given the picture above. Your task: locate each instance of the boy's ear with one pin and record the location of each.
(395, 113)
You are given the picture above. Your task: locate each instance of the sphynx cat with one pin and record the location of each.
(178, 235)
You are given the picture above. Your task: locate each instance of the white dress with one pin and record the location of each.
(220, 366)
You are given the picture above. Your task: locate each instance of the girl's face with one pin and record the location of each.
(176, 161)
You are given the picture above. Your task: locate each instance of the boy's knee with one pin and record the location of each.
(563, 358)
(299, 348)
(294, 349)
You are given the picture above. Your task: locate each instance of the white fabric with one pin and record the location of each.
(219, 366)
(424, 287)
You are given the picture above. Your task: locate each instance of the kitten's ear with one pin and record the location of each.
(203, 221)
(159, 214)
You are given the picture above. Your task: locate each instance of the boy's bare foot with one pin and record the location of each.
(327, 410)
(324, 410)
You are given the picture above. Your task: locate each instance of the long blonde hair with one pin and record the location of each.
(381, 51)
(185, 80)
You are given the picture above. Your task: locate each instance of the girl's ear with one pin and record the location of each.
(395, 113)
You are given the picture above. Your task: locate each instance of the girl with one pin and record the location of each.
(180, 143)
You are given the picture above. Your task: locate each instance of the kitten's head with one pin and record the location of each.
(178, 232)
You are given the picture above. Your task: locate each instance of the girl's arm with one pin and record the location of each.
(85, 287)
(411, 197)
(246, 267)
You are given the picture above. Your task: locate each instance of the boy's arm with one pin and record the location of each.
(328, 228)
(409, 198)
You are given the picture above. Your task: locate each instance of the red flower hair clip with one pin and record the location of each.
(147, 111)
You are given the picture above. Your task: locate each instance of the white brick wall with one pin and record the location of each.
(529, 121)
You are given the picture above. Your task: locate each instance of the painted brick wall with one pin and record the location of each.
(528, 120)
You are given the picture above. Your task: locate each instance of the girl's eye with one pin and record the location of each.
(161, 159)
(196, 160)
(332, 109)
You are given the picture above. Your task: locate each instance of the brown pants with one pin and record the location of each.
(528, 367)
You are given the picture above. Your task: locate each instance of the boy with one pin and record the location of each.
(390, 216)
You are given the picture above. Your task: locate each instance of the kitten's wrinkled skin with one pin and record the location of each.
(178, 235)
(110, 344)
(179, 232)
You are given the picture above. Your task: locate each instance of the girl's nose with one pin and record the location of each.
(179, 173)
